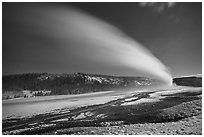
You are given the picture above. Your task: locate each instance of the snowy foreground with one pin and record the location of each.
(110, 111)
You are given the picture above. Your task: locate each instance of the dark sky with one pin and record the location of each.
(32, 42)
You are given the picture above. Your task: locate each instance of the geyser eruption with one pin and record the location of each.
(78, 40)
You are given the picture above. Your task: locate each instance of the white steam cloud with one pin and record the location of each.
(157, 6)
(88, 42)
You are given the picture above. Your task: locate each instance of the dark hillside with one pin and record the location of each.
(71, 83)
(188, 81)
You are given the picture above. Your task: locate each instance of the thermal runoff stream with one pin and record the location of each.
(76, 41)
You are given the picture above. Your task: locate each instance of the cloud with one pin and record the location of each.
(157, 6)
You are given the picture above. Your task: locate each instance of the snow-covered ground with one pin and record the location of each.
(194, 75)
(158, 95)
(27, 107)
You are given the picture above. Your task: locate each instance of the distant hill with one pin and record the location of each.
(193, 80)
(76, 83)
(41, 84)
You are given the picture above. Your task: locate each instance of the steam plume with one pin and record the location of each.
(84, 41)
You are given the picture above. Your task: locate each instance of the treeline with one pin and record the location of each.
(20, 82)
(68, 83)
(189, 81)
